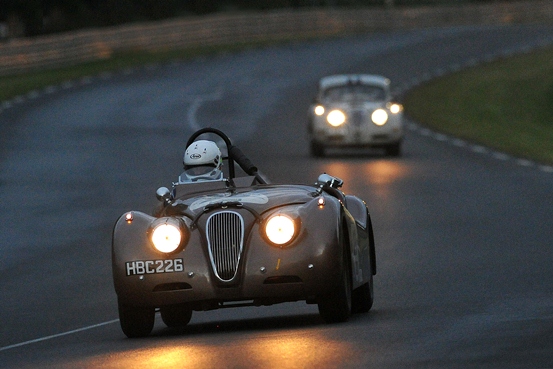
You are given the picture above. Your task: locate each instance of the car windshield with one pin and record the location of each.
(355, 92)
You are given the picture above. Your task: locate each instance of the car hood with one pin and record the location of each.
(259, 198)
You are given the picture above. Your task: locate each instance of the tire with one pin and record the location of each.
(363, 298)
(394, 149)
(336, 307)
(317, 150)
(176, 316)
(136, 321)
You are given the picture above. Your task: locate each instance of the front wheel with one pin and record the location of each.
(363, 298)
(335, 307)
(136, 321)
(176, 316)
(393, 149)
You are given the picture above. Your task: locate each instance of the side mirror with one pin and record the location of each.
(163, 194)
(328, 180)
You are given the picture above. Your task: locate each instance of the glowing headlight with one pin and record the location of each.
(379, 117)
(166, 238)
(336, 118)
(395, 108)
(319, 110)
(280, 229)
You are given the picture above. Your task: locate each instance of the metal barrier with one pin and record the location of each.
(24, 54)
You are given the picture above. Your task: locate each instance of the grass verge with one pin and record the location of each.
(506, 105)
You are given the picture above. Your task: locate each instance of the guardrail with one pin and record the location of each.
(24, 54)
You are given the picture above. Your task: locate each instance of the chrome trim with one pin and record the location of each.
(225, 241)
(358, 117)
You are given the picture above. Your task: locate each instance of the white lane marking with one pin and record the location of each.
(197, 103)
(459, 143)
(58, 335)
(500, 156)
(524, 163)
(479, 149)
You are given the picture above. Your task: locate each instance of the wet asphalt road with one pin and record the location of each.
(463, 233)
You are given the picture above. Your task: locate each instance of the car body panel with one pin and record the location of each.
(265, 271)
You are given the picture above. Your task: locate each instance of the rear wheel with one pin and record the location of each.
(176, 315)
(136, 321)
(335, 307)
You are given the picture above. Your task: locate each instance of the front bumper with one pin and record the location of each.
(364, 135)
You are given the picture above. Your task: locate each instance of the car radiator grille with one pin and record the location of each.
(357, 117)
(225, 238)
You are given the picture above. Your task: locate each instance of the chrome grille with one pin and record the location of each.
(225, 238)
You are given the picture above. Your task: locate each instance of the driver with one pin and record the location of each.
(202, 162)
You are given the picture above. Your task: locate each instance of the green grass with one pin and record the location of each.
(506, 105)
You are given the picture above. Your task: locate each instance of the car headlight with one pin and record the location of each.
(379, 117)
(166, 237)
(395, 108)
(280, 229)
(319, 110)
(336, 118)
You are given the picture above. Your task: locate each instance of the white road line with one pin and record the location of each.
(500, 156)
(524, 163)
(197, 103)
(479, 149)
(57, 335)
(459, 143)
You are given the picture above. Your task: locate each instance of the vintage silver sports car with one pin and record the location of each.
(355, 110)
(241, 241)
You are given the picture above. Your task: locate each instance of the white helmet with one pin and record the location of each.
(202, 161)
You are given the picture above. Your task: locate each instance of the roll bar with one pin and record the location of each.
(234, 154)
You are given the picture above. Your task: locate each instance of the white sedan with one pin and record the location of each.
(355, 110)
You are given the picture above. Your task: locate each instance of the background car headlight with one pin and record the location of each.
(379, 117)
(166, 238)
(319, 110)
(336, 118)
(280, 229)
(395, 108)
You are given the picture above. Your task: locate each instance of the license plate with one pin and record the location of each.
(139, 267)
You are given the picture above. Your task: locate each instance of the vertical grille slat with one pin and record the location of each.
(225, 238)
(357, 118)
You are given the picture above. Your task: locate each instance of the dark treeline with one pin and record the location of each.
(36, 17)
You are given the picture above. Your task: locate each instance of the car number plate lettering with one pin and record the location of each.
(139, 267)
